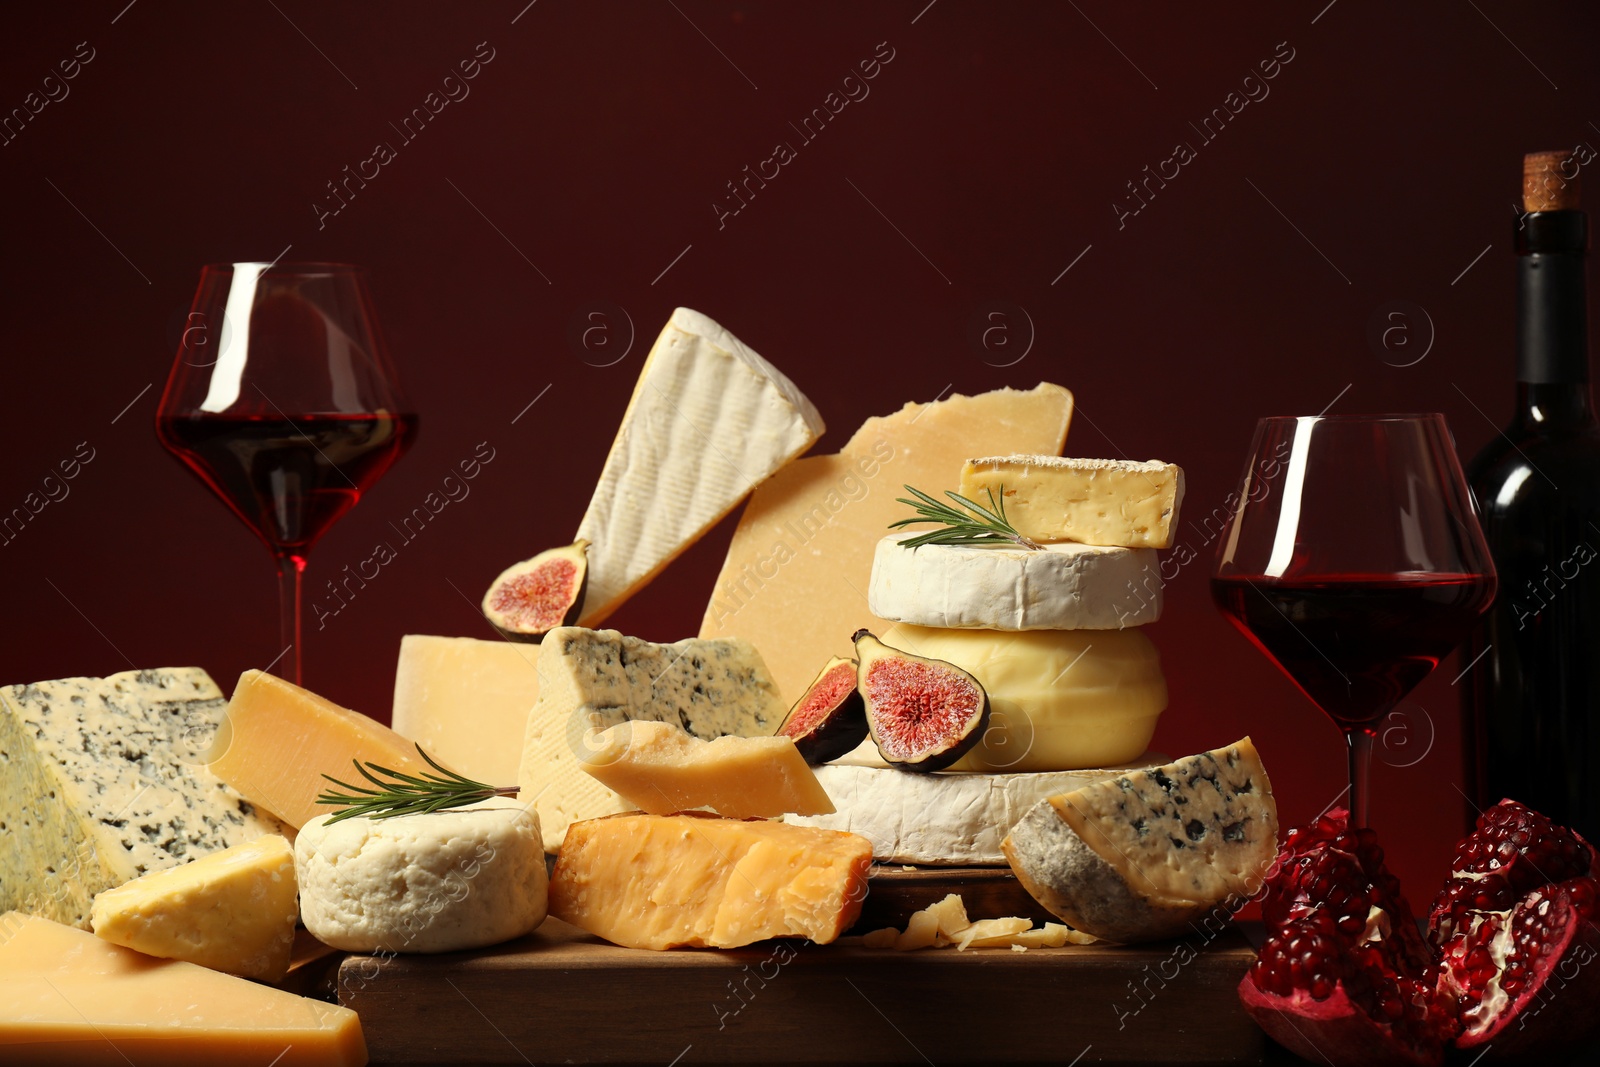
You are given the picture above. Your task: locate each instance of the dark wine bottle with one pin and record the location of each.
(1531, 694)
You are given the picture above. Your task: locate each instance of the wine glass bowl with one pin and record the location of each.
(1354, 561)
(283, 400)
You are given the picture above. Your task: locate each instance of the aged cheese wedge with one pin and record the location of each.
(660, 768)
(699, 881)
(1060, 699)
(795, 580)
(466, 701)
(67, 997)
(709, 420)
(1064, 586)
(102, 780)
(233, 911)
(594, 679)
(946, 818)
(1093, 501)
(443, 881)
(278, 740)
(1140, 856)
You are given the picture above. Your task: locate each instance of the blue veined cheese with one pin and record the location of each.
(101, 780)
(708, 421)
(599, 678)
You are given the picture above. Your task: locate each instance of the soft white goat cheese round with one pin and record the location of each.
(454, 879)
(1059, 586)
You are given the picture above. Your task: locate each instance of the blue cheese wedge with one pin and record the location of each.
(103, 782)
(595, 679)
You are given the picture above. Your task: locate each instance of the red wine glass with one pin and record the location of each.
(283, 400)
(1354, 561)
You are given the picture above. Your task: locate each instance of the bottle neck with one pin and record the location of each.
(1552, 327)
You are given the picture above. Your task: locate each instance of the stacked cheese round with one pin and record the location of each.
(1052, 633)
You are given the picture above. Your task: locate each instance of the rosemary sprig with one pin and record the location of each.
(407, 794)
(978, 526)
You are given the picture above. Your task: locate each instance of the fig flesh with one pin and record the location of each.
(923, 714)
(830, 719)
(531, 598)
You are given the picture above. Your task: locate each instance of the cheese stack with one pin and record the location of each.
(1053, 633)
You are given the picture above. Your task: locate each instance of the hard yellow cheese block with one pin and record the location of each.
(466, 701)
(699, 881)
(1113, 502)
(67, 997)
(661, 768)
(795, 580)
(278, 740)
(233, 911)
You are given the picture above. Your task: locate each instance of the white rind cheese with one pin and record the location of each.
(102, 780)
(1094, 501)
(709, 420)
(1063, 586)
(441, 882)
(947, 818)
(595, 679)
(1139, 856)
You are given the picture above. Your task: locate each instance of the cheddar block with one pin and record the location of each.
(232, 911)
(67, 997)
(796, 577)
(466, 701)
(1112, 502)
(278, 740)
(699, 881)
(661, 768)
(709, 419)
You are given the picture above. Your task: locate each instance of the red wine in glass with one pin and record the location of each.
(283, 401)
(1354, 561)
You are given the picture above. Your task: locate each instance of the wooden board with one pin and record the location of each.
(988, 892)
(560, 995)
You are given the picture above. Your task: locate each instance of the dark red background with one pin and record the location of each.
(598, 139)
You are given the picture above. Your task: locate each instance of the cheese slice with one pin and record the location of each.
(1059, 587)
(1093, 501)
(278, 740)
(233, 911)
(466, 701)
(102, 780)
(708, 421)
(1059, 699)
(947, 818)
(1141, 856)
(660, 768)
(795, 580)
(67, 997)
(594, 679)
(692, 881)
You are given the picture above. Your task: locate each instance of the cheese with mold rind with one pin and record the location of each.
(1114, 502)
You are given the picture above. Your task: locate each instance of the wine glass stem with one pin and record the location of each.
(1359, 745)
(291, 569)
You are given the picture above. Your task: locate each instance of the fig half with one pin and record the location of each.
(923, 714)
(830, 719)
(531, 598)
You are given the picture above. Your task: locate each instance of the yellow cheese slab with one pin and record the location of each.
(466, 701)
(693, 881)
(1115, 503)
(661, 768)
(795, 580)
(232, 911)
(67, 997)
(278, 740)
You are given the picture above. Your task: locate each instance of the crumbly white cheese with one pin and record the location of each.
(1062, 586)
(709, 420)
(102, 780)
(954, 818)
(442, 882)
(594, 679)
